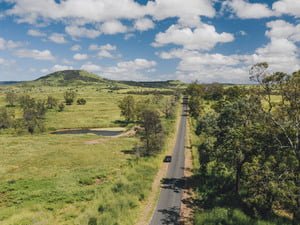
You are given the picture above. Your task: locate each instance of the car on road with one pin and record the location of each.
(168, 159)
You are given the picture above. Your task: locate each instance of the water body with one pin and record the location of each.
(106, 133)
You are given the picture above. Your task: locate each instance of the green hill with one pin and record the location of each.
(67, 77)
(81, 77)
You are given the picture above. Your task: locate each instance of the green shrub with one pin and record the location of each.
(61, 107)
(81, 101)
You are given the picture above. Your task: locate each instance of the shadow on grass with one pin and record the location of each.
(122, 123)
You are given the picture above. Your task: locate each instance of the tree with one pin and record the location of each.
(26, 101)
(285, 118)
(127, 106)
(152, 135)
(195, 103)
(11, 98)
(6, 118)
(33, 113)
(169, 109)
(51, 102)
(69, 97)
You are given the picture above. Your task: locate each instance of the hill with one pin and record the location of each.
(67, 77)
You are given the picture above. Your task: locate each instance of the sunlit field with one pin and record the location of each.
(74, 179)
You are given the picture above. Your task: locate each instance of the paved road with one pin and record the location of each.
(168, 208)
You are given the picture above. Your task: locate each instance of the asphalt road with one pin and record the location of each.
(168, 207)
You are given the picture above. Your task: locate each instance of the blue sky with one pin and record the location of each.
(204, 40)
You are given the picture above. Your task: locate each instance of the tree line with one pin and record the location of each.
(250, 141)
(33, 110)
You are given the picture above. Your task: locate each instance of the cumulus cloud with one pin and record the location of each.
(35, 33)
(143, 24)
(79, 32)
(35, 54)
(187, 10)
(283, 29)
(204, 37)
(290, 7)
(8, 44)
(245, 10)
(79, 56)
(90, 11)
(58, 38)
(75, 48)
(104, 51)
(113, 27)
(282, 54)
(126, 70)
(61, 67)
(91, 67)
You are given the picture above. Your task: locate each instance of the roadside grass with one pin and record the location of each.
(228, 216)
(58, 179)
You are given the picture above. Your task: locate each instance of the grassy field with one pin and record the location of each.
(61, 179)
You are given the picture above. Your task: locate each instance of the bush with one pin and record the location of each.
(11, 99)
(51, 102)
(69, 97)
(61, 107)
(6, 118)
(81, 101)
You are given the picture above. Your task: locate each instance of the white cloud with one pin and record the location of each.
(126, 70)
(57, 38)
(90, 67)
(290, 7)
(188, 11)
(104, 51)
(79, 32)
(204, 37)
(36, 33)
(113, 27)
(282, 54)
(35, 54)
(107, 47)
(61, 67)
(143, 24)
(75, 48)
(245, 10)
(9, 44)
(91, 11)
(79, 56)
(283, 29)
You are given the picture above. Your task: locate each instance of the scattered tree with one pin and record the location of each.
(152, 135)
(127, 106)
(69, 97)
(51, 102)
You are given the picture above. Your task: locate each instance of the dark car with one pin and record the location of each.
(168, 158)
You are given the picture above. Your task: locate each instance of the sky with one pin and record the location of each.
(188, 40)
